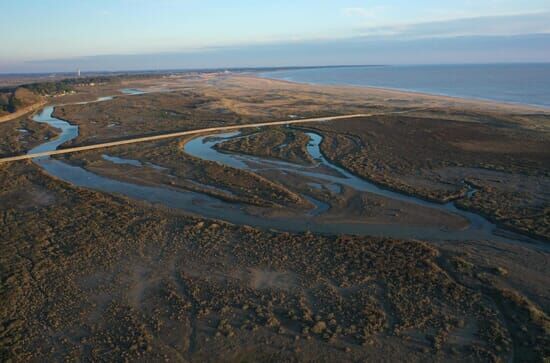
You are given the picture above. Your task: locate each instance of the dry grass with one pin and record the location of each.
(89, 276)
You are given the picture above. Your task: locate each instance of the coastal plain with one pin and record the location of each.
(91, 275)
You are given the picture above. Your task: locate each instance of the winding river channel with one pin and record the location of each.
(324, 173)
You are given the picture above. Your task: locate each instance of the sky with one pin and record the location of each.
(61, 35)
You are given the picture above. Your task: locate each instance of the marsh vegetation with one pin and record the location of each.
(88, 275)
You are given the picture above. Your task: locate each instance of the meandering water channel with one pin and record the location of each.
(204, 147)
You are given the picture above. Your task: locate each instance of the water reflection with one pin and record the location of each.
(204, 147)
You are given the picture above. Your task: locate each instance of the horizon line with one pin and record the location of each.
(260, 68)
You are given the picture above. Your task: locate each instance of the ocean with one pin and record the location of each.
(512, 83)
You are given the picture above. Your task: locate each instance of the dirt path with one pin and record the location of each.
(178, 134)
(22, 112)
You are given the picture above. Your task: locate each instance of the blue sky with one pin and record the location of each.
(104, 34)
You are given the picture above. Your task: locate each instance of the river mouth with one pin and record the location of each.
(323, 174)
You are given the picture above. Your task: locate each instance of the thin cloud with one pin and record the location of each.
(363, 12)
(537, 23)
(358, 50)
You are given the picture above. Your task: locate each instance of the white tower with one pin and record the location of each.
(78, 72)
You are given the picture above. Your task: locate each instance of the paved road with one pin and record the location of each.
(179, 134)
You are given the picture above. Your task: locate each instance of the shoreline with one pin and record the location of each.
(29, 109)
(411, 92)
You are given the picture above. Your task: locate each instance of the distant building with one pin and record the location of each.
(78, 72)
